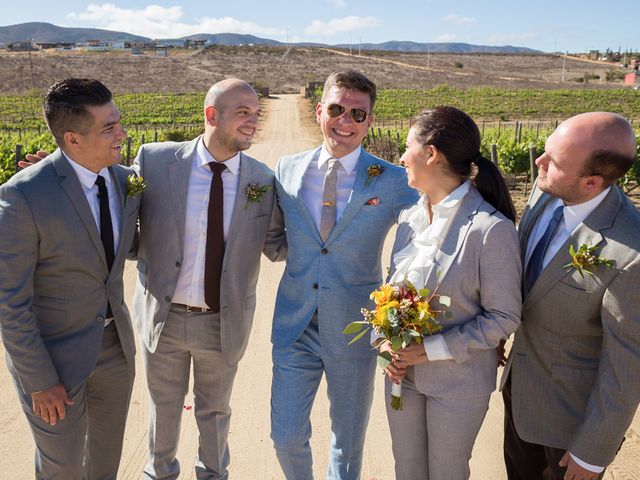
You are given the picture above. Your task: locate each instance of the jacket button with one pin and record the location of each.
(100, 319)
(315, 286)
(178, 263)
(324, 251)
(167, 299)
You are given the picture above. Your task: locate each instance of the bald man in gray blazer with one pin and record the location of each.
(572, 384)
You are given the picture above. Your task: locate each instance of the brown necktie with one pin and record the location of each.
(329, 192)
(214, 252)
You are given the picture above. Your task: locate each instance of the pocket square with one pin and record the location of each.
(373, 201)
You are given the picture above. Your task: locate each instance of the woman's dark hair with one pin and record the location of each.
(456, 135)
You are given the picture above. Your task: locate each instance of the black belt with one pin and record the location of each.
(189, 308)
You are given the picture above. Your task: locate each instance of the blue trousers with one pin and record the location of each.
(297, 371)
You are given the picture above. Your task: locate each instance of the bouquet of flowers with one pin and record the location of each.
(402, 315)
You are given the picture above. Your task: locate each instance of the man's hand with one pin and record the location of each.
(575, 471)
(32, 159)
(395, 373)
(50, 404)
(502, 358)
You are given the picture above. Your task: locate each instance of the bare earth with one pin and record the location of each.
(252, 455)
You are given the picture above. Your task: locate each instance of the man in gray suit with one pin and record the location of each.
(339, 203)
(207, 214)
(572, 381)
(66, 230)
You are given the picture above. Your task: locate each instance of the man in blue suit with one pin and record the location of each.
(339, 203)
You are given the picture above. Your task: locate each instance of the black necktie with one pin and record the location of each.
(106, 227)
(214, 253)
(534, 267)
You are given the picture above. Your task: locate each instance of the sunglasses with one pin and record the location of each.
(358, 115)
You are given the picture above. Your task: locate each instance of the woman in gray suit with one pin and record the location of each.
(460, 239)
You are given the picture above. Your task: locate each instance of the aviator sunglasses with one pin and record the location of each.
(358, 115)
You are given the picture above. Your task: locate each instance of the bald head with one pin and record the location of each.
(607, 140)
(221, 91)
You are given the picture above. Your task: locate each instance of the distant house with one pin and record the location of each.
(52, 45)
(20, 46)
(171, 43)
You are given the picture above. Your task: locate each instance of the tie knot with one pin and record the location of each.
(100, 181)
(217, 167)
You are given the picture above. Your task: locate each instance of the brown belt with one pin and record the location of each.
(189, 308)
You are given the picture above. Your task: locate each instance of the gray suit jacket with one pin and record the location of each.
(478, 266)
(575, 362)
(336, 277)
(256, 227)
(54, 280)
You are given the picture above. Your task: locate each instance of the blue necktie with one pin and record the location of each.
(534, 267)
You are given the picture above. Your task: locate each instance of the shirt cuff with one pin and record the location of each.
(587, 466)
(436, 348)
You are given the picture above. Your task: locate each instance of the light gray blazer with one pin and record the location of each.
(54, 280)
(256, 227)
(334, 278)
(478, 266)
(575, 361)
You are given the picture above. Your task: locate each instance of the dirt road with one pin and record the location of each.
(252, 455)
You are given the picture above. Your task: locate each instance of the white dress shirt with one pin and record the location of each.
(573, 216)
(313, 182)
(413, 262)
(190, 286)
(88, 182)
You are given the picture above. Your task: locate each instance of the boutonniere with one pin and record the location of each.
(372, 172)
(254, 192)
(585, 259)
(135, 186)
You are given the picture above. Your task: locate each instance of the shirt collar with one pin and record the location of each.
(204, 158)
(87, 177)
(574, 215)
(453, 199)
(348, 162)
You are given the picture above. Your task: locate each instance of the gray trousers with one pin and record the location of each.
(188, 337)
(432, 437)
(87, 444)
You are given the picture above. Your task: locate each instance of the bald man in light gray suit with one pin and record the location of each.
(573, 385)
(178, 322)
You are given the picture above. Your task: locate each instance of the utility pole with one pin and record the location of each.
(564, 60)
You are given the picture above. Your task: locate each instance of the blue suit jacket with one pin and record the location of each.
(334, 278)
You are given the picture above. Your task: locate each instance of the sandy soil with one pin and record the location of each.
(252, 455)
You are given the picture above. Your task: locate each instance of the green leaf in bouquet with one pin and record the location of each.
(359, 336)
(444, 301)
(354, 327)
(448, 315)
(406, 339)
(384, 359)
(396, 342)
(424, 292)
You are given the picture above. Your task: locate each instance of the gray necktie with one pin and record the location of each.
(329, 189)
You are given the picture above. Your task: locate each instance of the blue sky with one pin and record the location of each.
(540, 24)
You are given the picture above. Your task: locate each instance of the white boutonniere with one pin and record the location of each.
(135, 186)
(255, 191)
(585, 259)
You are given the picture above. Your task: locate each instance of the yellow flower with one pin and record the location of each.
(383, 295)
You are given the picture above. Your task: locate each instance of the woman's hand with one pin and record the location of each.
(393, 372)
(414, 354)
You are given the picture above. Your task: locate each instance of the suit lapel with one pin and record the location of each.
(179, 173)
(537, 203)
(71, 185)
(456, 234)
(359, 195)
(239, 215)
(119, 177)
(588, 233)
(296, 179)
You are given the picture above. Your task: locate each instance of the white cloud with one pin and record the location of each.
(459, 19)
(448, 37)
(338, 3)
(513, 39)
(340, 25)
(155, 21)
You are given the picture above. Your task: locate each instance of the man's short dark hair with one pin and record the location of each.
(609, 165)
(350, 80)
(66, 102)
